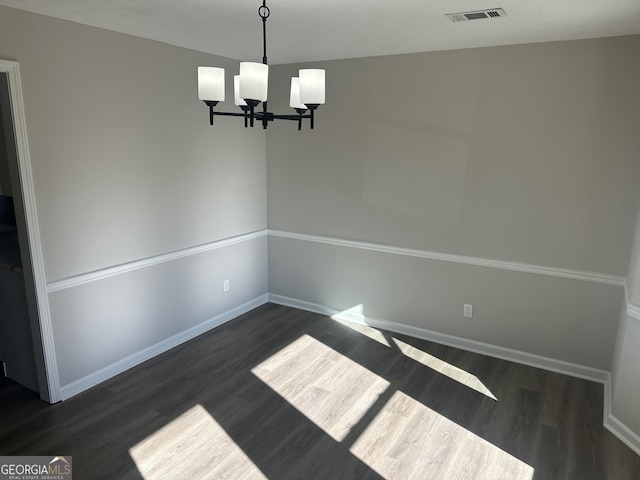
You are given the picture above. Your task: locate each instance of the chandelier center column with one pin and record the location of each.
(264, 13)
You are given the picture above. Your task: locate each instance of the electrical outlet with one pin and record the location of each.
(225, 285)
(468, 310)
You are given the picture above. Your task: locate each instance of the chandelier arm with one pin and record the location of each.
(229, 114)
(263, 117)
(260, 115)
(277, 116)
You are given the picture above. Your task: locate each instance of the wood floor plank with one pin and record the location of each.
(281, 394)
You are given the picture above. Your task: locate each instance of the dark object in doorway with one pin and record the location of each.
(7, 213)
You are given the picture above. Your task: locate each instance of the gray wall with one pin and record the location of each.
(523, 154)
(519, 311)
(626, 384)
(125, 163)
(126, 168)
(144, 307)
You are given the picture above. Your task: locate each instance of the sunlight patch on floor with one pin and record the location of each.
(193, 445)
(408, 440)
(443, 367)
(331, 390)
(354, 319)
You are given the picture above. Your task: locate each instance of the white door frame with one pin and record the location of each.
(39, 313)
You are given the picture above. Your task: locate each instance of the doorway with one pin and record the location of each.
(27, 322)
(16, 344)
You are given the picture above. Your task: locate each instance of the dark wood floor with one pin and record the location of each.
(284, 394)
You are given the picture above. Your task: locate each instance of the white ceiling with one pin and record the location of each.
(310, 30)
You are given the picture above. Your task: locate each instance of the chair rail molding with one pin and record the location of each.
(83, 278)
(602, 278)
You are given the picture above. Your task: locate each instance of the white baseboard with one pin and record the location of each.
(137, 358)
(624, 433)
(545, 363)
(615, 426)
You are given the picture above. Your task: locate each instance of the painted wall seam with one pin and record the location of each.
(593, 277)
(101, 274)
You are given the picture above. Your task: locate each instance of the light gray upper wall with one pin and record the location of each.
(523, 153)
(124, 161)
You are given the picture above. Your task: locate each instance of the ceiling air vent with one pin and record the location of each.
(476, 15)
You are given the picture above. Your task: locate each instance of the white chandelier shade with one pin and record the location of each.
(236, 92)
(294, 95)
(254, 81)
(312, 86)
(251, 88)
(253, 84)
(211, 84)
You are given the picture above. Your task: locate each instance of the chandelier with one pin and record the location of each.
(250, 89)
